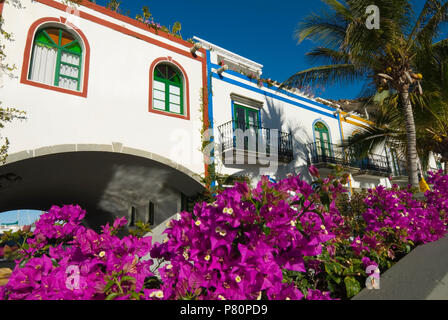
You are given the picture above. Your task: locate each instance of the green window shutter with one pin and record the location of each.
(246, 117)
(168, 89)
(67, 70)
(322, 137)
(159, 95)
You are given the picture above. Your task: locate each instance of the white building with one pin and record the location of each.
(115, 111)
(308, 130)
(111, 106)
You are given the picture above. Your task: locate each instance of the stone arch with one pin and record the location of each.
(106, 180)
(115, 147)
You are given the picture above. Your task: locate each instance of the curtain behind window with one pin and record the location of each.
(43, 64)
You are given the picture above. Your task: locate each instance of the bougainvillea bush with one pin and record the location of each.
(65, 260)
(285, 240)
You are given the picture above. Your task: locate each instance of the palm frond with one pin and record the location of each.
(325, 75)
(429, 31)
(321, 29)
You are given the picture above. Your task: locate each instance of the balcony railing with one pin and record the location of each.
(255, 140)
(334, 154)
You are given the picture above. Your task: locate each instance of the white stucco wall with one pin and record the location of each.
(116, 106)
(276, 113)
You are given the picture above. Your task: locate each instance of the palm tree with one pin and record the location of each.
(430, 111)
(385, 58)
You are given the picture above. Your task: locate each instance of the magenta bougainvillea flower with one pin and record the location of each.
(284, 240)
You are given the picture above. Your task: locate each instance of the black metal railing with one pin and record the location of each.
(334, 154)
(256, 139)
(326, 153)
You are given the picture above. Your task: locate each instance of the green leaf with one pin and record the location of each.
(266, 230)
(352, 286)
(55, 262)
(108, 285)
(136, 295)
(127, 278)
(112, 296)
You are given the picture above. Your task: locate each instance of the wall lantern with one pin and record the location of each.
(195, 48)
(222, 69)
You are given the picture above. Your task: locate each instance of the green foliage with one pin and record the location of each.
(175, 30)
(385, 60)
(140, 229)
(12, 241)
(352, 286)
(352, 208)
(113, 5)
(6, 114)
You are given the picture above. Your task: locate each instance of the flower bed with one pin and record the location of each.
(285, 240)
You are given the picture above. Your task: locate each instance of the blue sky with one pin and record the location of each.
(24, 217)
(259, 30)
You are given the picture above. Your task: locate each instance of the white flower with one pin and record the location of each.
(158, 294)
(221, 231)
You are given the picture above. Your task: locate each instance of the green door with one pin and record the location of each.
(247, 120)
(322, 137)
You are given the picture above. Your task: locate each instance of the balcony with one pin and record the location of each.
(325, 157)
(248, 144)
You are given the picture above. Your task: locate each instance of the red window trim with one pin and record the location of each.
(203, 60)
(27, 54)
(122, 29)
(185, 116)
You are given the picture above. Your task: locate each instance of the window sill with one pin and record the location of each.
(170, 114)
(54, 88)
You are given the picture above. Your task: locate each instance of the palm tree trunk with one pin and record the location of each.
(412, 156)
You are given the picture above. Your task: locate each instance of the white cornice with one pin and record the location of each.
(230, 55)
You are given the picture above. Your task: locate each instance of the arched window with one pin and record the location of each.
(168, 89)
(322, 136)
(56, 59)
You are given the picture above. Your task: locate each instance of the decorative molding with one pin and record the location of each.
(246, 101)
(256, 67)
